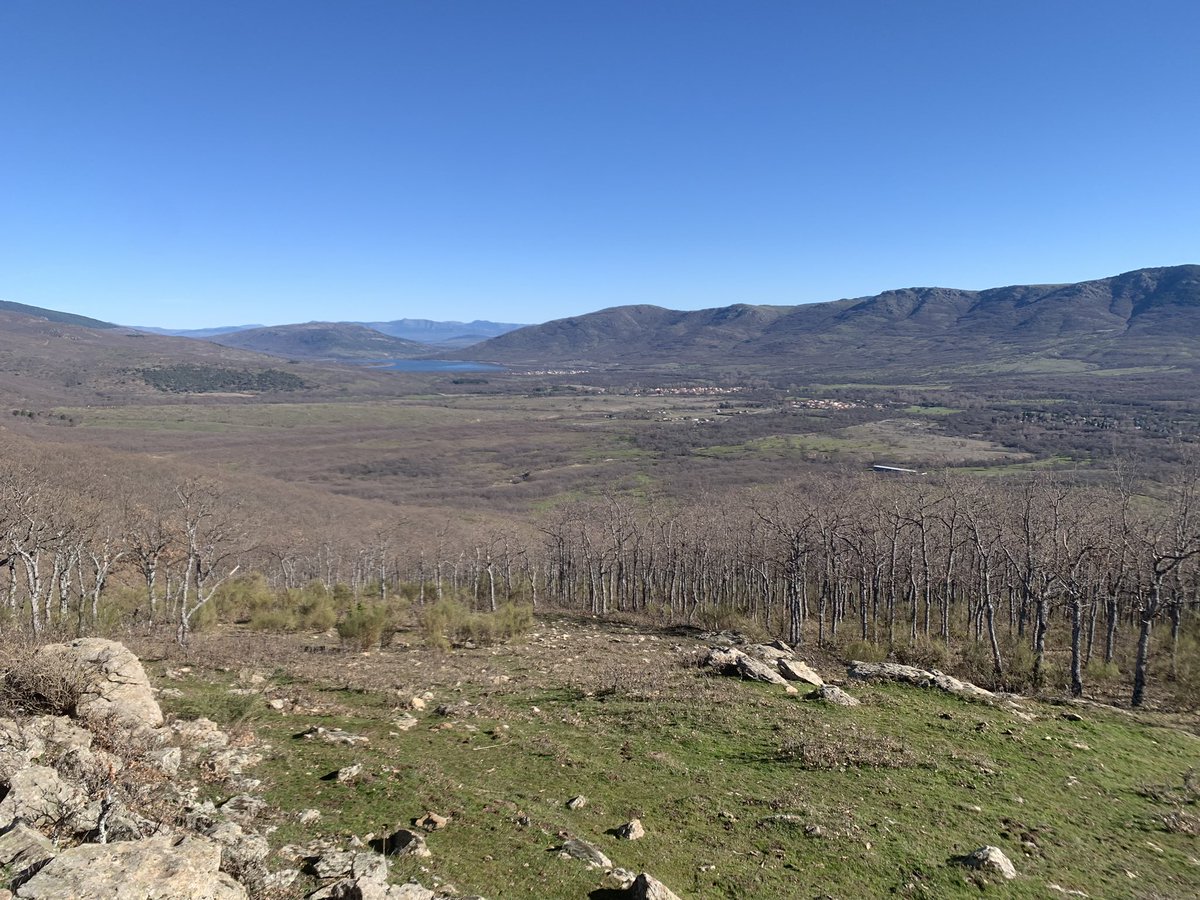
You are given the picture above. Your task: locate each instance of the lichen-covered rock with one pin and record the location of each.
(157, 868)
(953, 685)
(38, 796)
(768, 653)
(117, 684)
(920, 677)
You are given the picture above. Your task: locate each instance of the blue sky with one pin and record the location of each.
(206, 163)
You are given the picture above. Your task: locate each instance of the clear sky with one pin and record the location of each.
(218, 162)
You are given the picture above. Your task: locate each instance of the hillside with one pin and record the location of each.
(322, 340)
(1147, 317)
(49, 358)
(51, 315)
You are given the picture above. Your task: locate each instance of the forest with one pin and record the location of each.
(1040, 581)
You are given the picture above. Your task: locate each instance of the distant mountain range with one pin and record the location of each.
(443, 334)
(1146, 320)
(1150, 317)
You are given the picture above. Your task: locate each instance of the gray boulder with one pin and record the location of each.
(731, 661)
(795, 670)
(157, 868)
(887, 671)
(117, 685)
(952, 685)
(835, 695)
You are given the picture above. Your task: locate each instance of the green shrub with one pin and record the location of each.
(316, 614)
(363, 626)
(273, 620)
(450, 622)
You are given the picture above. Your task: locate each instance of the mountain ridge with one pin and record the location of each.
(1128, 319)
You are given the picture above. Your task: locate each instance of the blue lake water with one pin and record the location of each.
(434, 365)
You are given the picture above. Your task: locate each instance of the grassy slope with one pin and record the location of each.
(705, 762)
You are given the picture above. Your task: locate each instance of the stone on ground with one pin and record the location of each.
(631, 830)
(647, 887)
(835, 695)
(588, 853)
(991, 859)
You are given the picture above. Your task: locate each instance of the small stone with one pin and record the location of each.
(588, 853)
(405, 722)
(431, 821)
(992, 859)
(309, 817)
(348, 773)
(1072, 717)
(417, 703)
(577, 802)
(814, 831)
(631, 830)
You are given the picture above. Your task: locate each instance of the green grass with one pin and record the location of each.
(705, 764)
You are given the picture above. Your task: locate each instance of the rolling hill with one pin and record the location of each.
(323, 340)
(1149, 317)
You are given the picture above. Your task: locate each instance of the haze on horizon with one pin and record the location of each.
(190, 166)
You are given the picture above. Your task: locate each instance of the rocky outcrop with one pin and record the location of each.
(887, 671)
(116, 684)
(163, 868)
(23, 851)
(40, 798)
(774, 663)
(731, 661)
